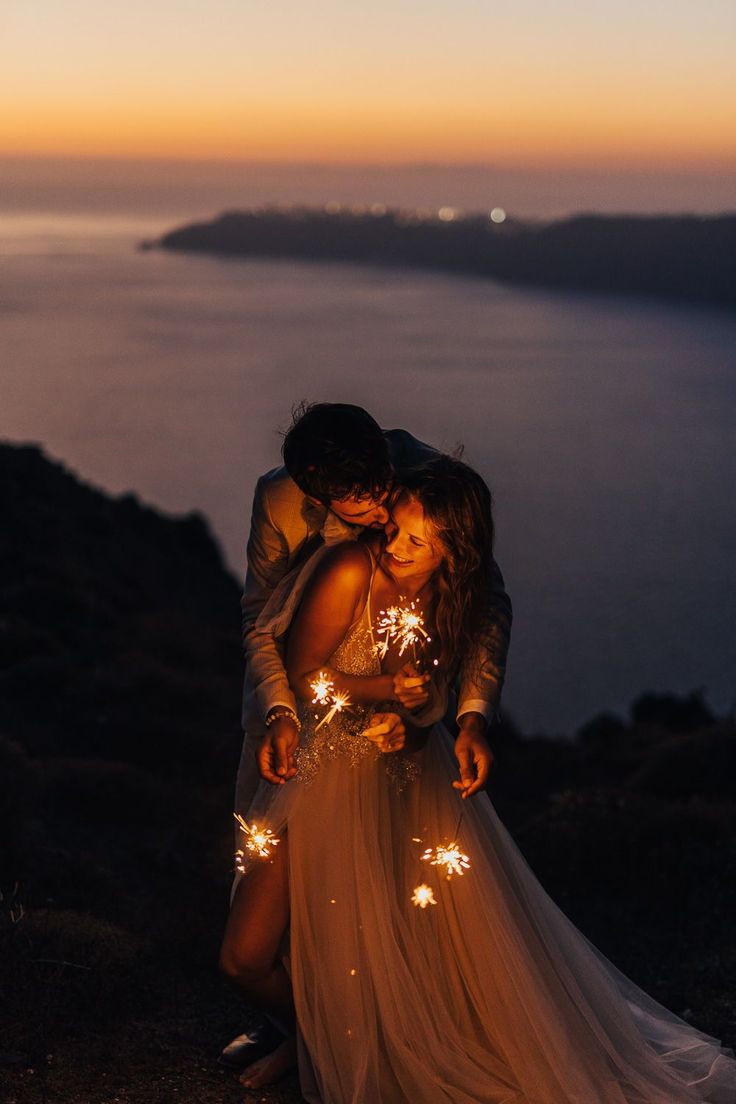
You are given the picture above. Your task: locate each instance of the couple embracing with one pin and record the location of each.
(388, 927)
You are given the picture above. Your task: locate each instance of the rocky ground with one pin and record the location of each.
(120, 678)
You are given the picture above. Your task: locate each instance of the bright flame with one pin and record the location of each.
(422, 896)
(258, 842)
(402, 624)
(324, 692)
(322, 688)
(340, 701)
(449, 856)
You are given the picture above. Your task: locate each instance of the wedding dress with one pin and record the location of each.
(489, 995)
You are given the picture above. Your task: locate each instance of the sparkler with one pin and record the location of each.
(324, 692)
(422, 896)
(339, 701)
(403, 625)
(259, 842)
(448, 856)
(323, 688)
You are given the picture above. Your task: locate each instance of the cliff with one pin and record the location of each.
(672, 257)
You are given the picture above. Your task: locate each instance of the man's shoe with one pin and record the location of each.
(251, 1046)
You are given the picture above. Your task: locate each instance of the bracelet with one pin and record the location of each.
(276, 713)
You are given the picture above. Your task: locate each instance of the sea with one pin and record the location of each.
(603, 424)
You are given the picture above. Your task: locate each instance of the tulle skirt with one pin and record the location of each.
(490, 995)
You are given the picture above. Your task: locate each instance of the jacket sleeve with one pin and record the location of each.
(268, 561)
(482, 675)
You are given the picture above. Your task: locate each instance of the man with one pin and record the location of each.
(340, 470)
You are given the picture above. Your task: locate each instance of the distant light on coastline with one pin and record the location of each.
(333, 207)
(498, 214)
(447, 214)
(378, 209)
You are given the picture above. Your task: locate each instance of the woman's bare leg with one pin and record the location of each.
(249, 956)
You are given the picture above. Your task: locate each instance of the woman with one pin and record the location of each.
(475, 988)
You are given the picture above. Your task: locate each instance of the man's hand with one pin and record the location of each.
(473, 753)
(386, 730)
(275, 754)
(410, 688)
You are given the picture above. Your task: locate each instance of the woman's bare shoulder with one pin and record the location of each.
(348, 565)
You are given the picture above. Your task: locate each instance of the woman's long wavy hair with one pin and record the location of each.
(458, 505)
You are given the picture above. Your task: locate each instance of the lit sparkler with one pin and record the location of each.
(323, 688)
(422, 896)
(259, 842)
(403, 625)
(324, 692)
(339, 701)
(448, 856)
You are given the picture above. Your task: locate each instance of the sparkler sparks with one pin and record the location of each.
(322, 687)
(448, 856)
(339, 701)
(324, 692)
(422, 896)
(259, 842)
(403, 625)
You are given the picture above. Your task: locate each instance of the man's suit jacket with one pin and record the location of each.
(285, 529)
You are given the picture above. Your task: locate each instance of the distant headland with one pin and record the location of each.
(684, 257)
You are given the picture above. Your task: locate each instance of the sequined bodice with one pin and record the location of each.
(341, 736)
(356, 655)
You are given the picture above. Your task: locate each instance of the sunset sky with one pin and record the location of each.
(650, 82)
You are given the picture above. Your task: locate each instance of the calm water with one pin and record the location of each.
(604, 425)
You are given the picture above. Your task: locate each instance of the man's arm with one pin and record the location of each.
(482, 676)
(483, 673)
(268, 561)
(481, 680)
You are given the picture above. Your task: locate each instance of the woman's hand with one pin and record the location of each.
(386, 730)
(410, 688)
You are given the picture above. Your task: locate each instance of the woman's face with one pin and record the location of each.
(413, 547)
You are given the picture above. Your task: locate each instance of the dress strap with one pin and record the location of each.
(367, 607)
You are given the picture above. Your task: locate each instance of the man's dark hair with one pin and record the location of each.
(335, 450)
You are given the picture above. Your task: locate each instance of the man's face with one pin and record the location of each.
(372, 513)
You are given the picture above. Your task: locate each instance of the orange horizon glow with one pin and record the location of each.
(359, 134)
(529, 84)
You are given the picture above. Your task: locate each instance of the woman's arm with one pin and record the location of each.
(332, 601)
